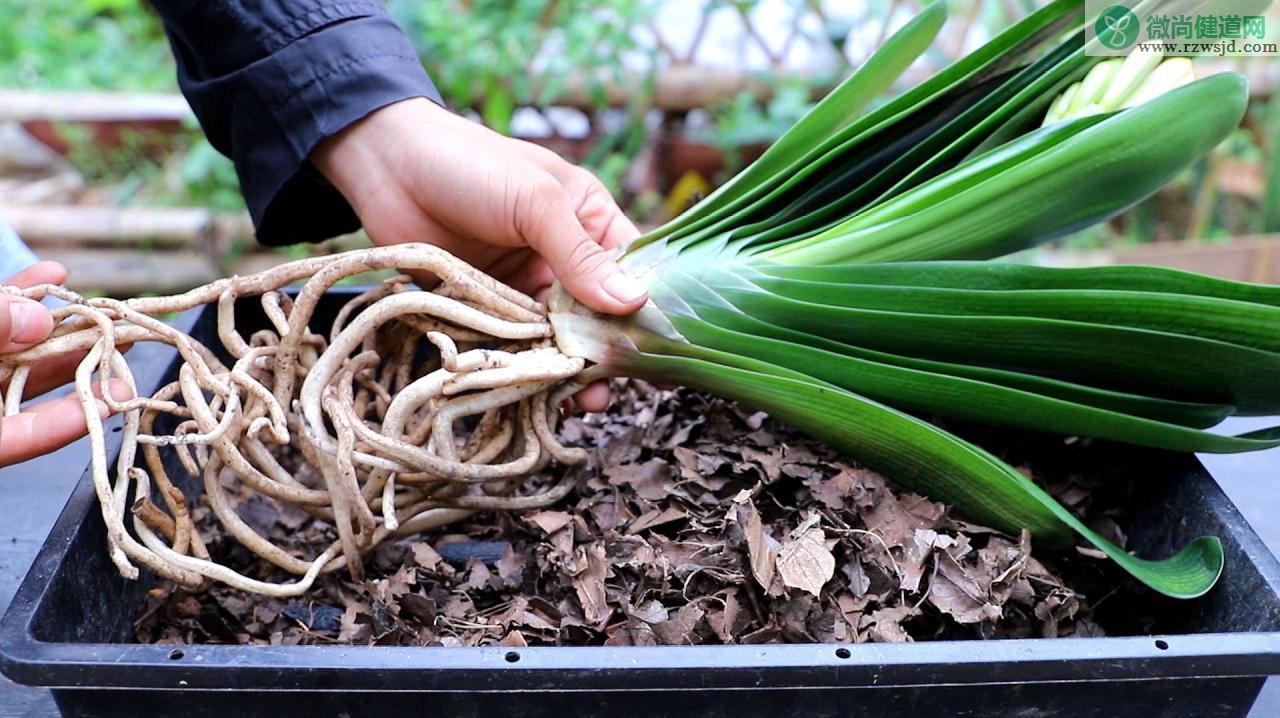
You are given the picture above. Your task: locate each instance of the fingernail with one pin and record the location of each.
(29, 322)
(623, 287)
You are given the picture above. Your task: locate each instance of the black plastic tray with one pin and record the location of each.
(70, 628)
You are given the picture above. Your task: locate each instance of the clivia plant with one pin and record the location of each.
(838, 283)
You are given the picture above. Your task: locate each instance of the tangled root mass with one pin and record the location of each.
(382, 443)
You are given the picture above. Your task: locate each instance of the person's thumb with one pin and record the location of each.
(585, 268)
(23, 322)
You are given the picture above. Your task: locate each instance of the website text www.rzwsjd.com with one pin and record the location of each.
(1220, 48)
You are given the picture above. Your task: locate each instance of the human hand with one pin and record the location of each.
(52, 424)
(415, 172)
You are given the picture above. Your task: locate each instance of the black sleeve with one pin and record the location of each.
(270, 79)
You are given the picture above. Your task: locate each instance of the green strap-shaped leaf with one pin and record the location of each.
(714, 326)
(1171, 365)
(1181, 413)
(1031, 91)
(974, 212)
(846, 179)
(1184, 413)
(1194, 414)
(1226, 320)
(1011, 276)
(966, 399)
(928, 460)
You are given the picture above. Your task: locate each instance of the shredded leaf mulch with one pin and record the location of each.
(695, 522)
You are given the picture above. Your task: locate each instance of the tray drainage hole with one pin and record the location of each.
(843, 653)
(1162, 645)
(512, 657)
(176, 655)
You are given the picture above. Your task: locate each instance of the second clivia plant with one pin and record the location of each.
(836, 283)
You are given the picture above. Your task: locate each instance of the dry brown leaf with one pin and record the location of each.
(762, 549)
(886, 624)
(727, 622)
(960, 592)
(478, 575)
(688, 461)
(650, 480)
(353, 630)
(514, 639)
(589, 584)
(679, 629)
(832, 492)
(549, 521)
(805, 562)
(511, 565)
(770, 462)
(656, 517)
(424, 555)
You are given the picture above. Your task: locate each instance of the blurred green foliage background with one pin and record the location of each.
(494, 57)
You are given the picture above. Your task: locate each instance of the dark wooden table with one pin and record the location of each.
(32, 495)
